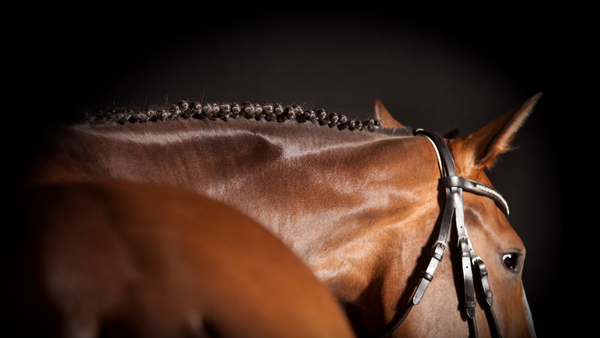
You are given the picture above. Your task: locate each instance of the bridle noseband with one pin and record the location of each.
(454, 186)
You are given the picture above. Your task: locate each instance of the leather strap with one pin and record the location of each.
(476, 188)
(454, 185)
(451, 179)
(489, 297)
(454, 212)
(442, 150)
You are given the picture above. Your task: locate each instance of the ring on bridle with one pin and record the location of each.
(454, 186)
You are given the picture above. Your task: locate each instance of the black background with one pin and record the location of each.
(457, 68)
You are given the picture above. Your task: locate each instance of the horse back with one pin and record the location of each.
(129, 259)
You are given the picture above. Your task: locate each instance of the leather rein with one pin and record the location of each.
(454, 186)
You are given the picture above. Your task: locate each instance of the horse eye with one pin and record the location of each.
(510, 261)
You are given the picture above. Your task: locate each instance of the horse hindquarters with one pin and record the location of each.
(124, 259)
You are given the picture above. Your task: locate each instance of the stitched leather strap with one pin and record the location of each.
(453, 211)
(454, 185)
(450, 177)
(443, 151)
(476, 188)
(487, 292)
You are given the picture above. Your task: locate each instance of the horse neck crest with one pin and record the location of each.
(224, 111)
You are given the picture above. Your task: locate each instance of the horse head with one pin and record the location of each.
(490, 235)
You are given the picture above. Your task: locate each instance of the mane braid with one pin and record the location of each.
(212, 111)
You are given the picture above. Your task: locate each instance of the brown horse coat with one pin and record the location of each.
(119, 259)
(358, 208)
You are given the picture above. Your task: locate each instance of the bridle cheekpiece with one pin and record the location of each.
(454, 186)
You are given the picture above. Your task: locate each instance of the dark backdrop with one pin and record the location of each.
(441, 72)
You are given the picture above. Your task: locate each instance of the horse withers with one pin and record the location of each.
(122, 259)
(359, 202)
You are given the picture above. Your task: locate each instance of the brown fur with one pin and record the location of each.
(120, 259)
(358, 208)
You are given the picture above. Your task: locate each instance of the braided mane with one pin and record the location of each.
(224, 111)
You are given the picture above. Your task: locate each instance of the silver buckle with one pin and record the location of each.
(462, 238)
(444, 246)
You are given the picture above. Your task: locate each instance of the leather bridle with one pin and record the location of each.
(454, 186)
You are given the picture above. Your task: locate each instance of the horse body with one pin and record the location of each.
(358, 208)
(122, 259)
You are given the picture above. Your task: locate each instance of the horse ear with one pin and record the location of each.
(382, 114)
(480, 149)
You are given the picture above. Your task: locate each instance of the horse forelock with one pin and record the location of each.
(210, 111)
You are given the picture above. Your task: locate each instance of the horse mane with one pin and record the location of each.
(210, 111)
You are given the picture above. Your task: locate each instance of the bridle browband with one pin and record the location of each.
(454, 186)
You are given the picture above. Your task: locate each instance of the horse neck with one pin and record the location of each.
(338, 199)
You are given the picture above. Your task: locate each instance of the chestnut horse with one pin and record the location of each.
(122, 259)
(360, 208)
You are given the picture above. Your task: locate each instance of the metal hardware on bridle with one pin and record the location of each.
(454, 213)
